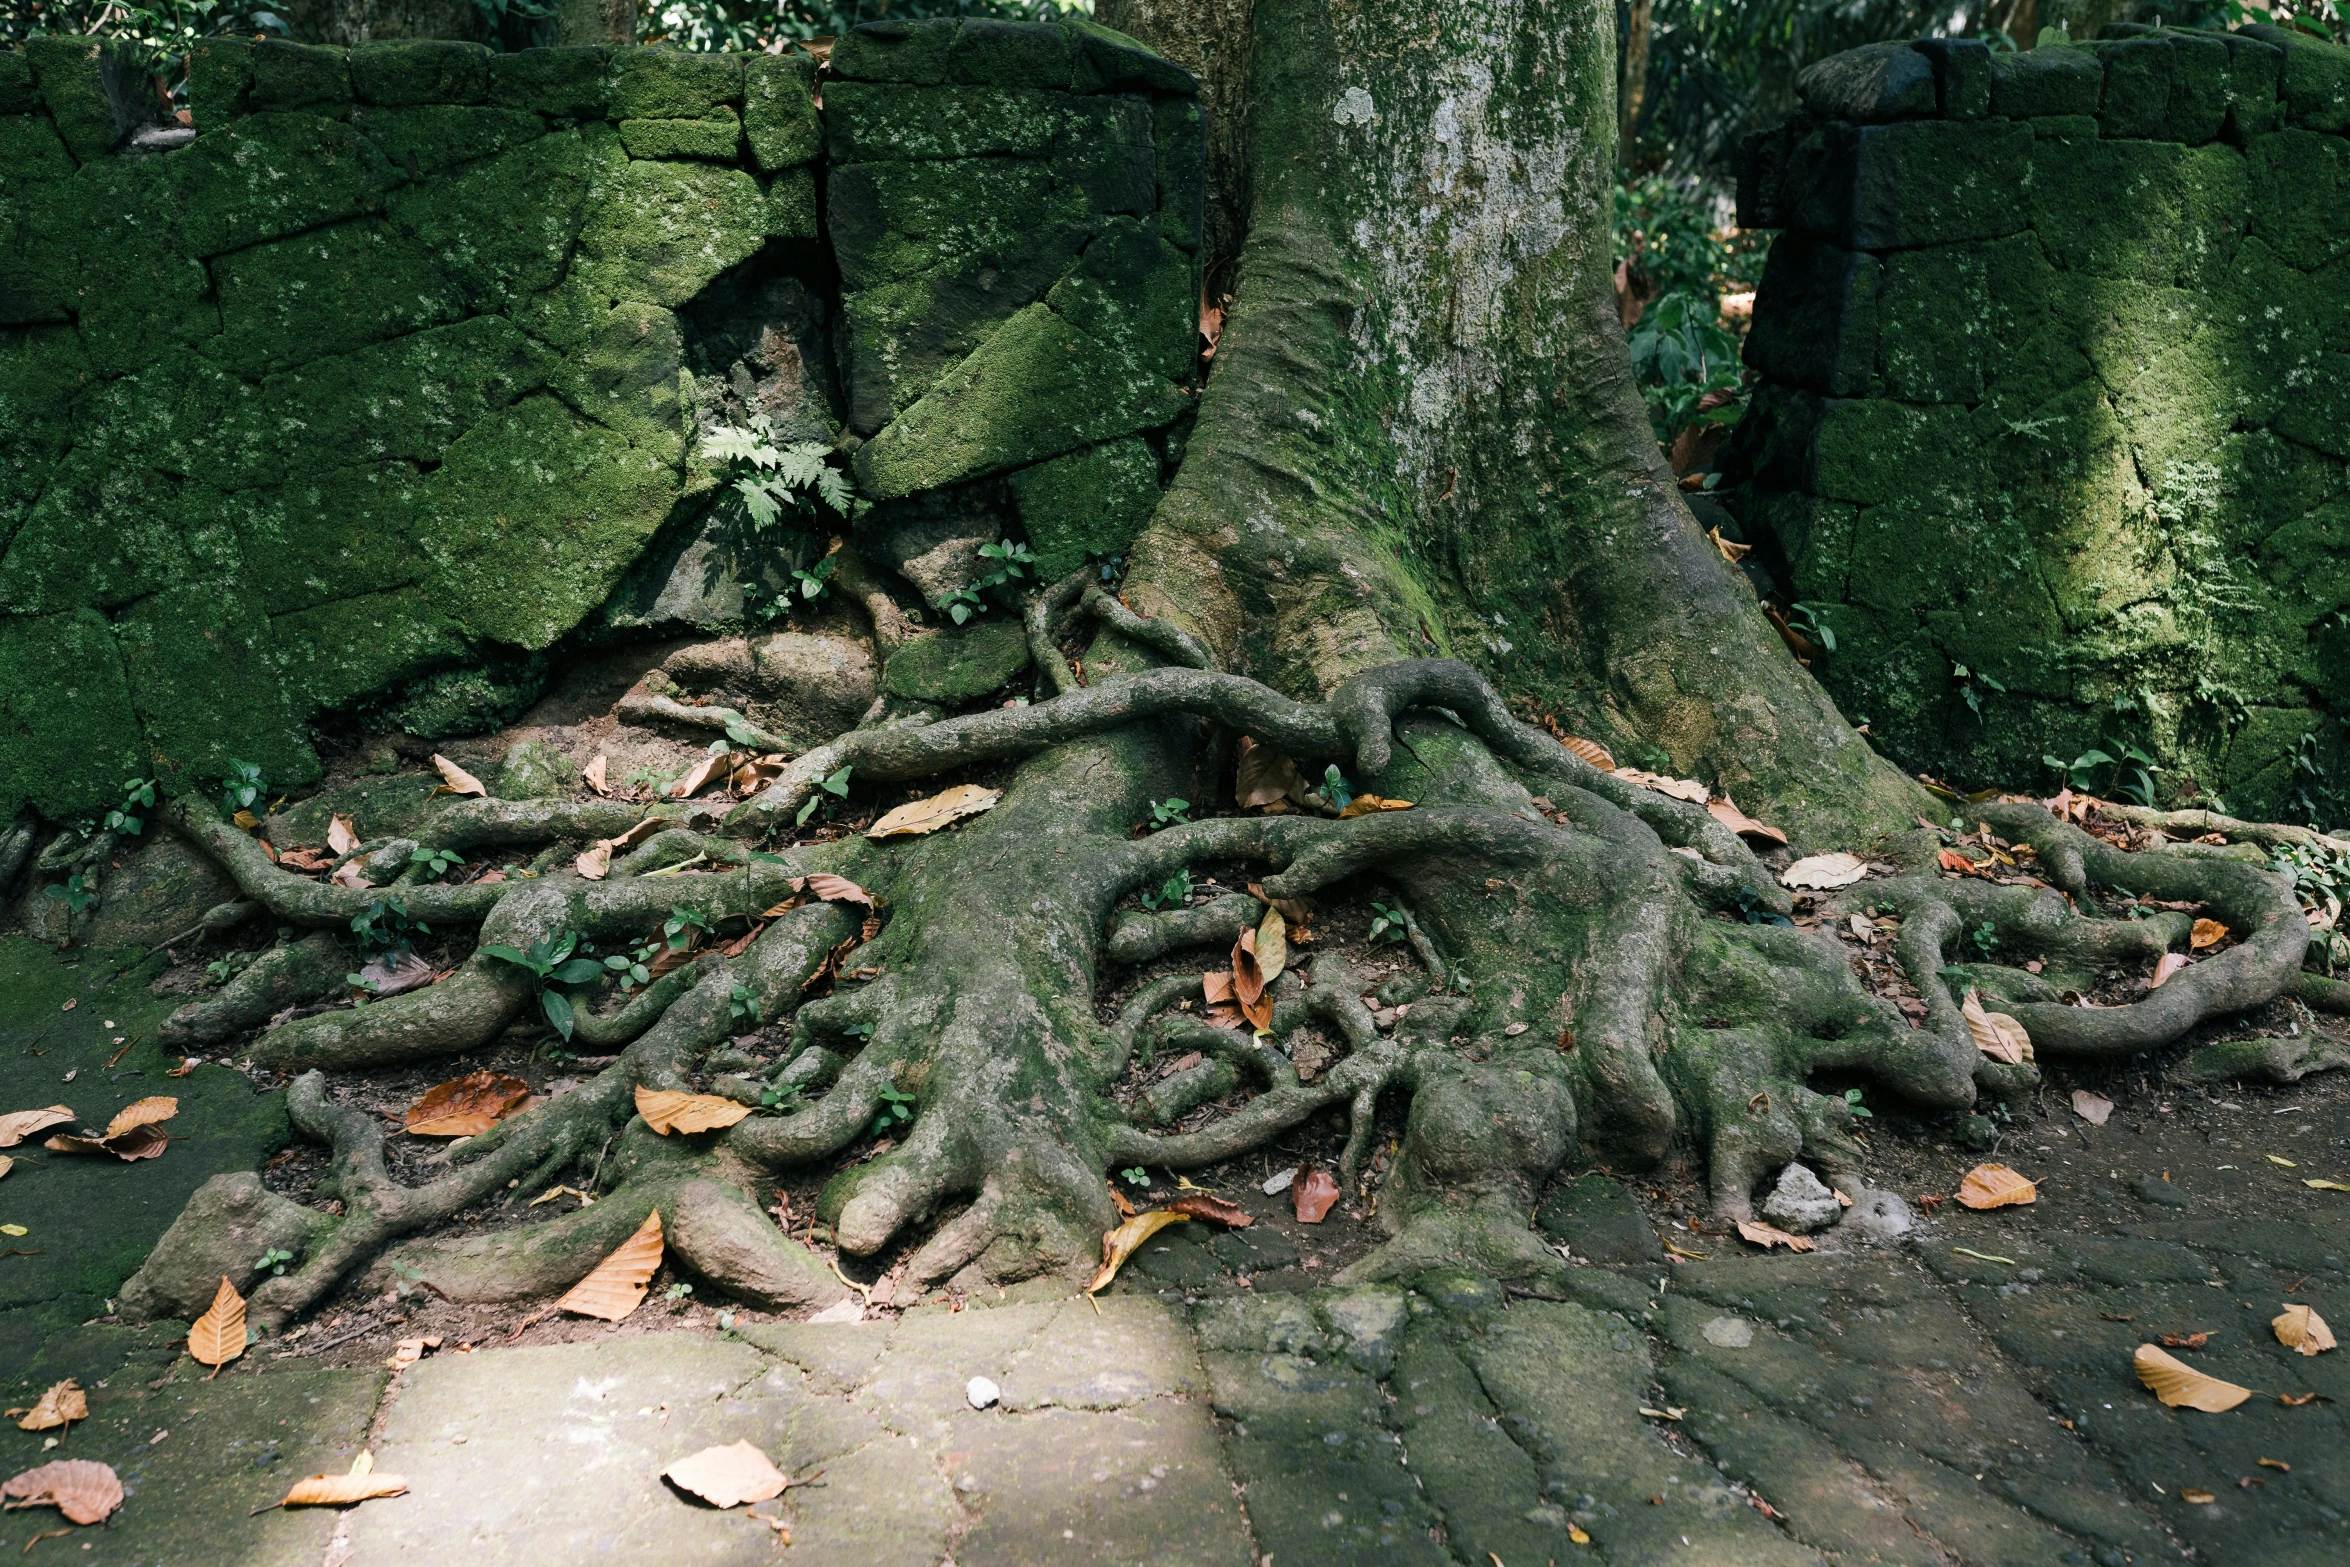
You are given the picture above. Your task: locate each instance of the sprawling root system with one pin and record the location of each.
(1600, 965)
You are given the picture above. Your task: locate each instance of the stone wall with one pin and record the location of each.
(2055, 359)
(376, 393)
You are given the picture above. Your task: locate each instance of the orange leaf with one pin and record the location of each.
(218, 1336)
(1369, 805)
(1126, 1210)
(2181, 1386)
(85, 1491)
(922, 816)
(18, 1125)
(594, 863)
(2207, 933)
(728, 1476)
(341, 836)
(617, 1285)
(137, 1142)
(1996, 1034)
(62, 1405)
(1216, 986)
(1952, 860)
(1766, 1236)
(142, 1112)
(836, 889)
(1200, 1205)
(466, 1106)
(1739, 822)
(1122, 1242)
(667, 1110)
(1312, 1194)
(342, 1490)
(595, 773)
(1996, 1186)
(715, 765)
(639, 833)
(456, 779)
(2169, 964)
(1590, 751)
(2297, 1327)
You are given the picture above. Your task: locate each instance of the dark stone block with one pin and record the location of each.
(2254, 70)
(1599, 1222)
(1815, 317)
(669, 84)
(1888, 187)
(1873, 83)
(2045, 82)
(779, 110)
(2136, 102)
(1962, 75)
(74, 88)
(220, 80)
(1106, 152)
(411, 71)
(1762, 170)
(298, 76)
(988, 53)
(1181, 146)
(2315, 84)
(1772, 446)
(2199, 68)
(572, 82)
(914, 52)
(17, 93)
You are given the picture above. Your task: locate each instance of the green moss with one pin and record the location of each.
(671, 84)
(659, 232)
(954, 667)
(1870, 450)
(791, 205)
(1181, 141)
(30, 150)
(898, 338)
(504, 228)
(865, 123)
(299, 76)
(892, 221)
(68, 736)
(337, 654)
(2150, 211)
(40, 372)
(1138, 295)
(429, 138)
(718, 136)
(2301, 196)
(1091, 502)
(472, 701)
(67, 70)
(412, 71)
(623, 373)
(572, 81)
(270, 175)
(328, 291)
(220, 80)
(332, 534)
(202, 680)
(104, 535)
(1035, 389)
(779, 109)
(18, 92)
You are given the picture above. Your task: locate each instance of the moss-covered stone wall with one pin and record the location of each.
(376, 392)
(2055, 358)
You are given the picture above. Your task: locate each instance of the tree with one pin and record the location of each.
(1422, 488)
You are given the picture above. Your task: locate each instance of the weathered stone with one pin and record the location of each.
(673, 83)
(1815, 321)
(950, 668)
(532, 770)
(818, 685)
(298, 76)
(407, 71)
(1599, 1222)
(1879, 1216)
(1873, 83)
(2040, 82)
(227, 1226)
(1801, 1204)
(717, 137)
(1962, 75)
(205, 688)
(572, 81)
(779, 109)
(1090, 503)
(161, 890)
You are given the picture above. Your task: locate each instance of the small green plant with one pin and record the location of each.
(1171, 893)
(1012, 562)
(775, 479)
(631, 968)
(1985, 937)
(273, 1261)
(2321, 884)
(677, 1292)
(1337, 793)
(837, 786)
(550, 960)
(1972, 683)
(1170, 813)
(242, 789)
(130, 817)
(896, 1110)
(384, 927)
(77, 892)
(1138, 1176)
(1804, 620)
(433, 864)
(1853, 1104)
(742, 1005)
(2130, 772)
(219, 971)
(1687, 363)
(1387, 924)
(684, 926)
(651, 779)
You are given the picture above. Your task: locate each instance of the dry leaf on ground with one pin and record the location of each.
(1248, 982)
(2181, 1386)
(594, 863)
(2326, 1186)
(1678, 788)
(408, 1351)
(456, 779)
(1996, 1034)
(65, 1403)
(1745, 826)
(143, 1112)
(1272, 949)
(921, 816)
(1821, 872)
(341, 836)
(353, 873)
(1996, 1186)
(2197, 1498)
(361, 1484)
(1311, 1195)
(728, 1476)
(1263, 776)
(136, 1142)
(715, 765)
(1590, 751)
(1122, 1242)
(1768, 1235)
(2297, 1327)
(7, 1164)
(1371, 805)
(396, 973)
(596, 772)
(2169, 964)
(1215, 1210)
(647, 828)
(2093, 1108)
(218, 1336)
(86, 1492)
(668, 1110)
(466, 1106)
(617, 1285)
(18, 1125)
(829, 888)
(2207, 933)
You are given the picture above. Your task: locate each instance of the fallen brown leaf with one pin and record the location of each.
(595, 773)
(594, 862)
(83, 1490)
(18, 1125)
(1248, 976)
(2170, 963)
(1732, 550)
(218, 1336)
(728, 1476)
(2207, 933)
(352, 873)
(1745, 826)
(1766, 1236)
(2198, 1498)
(1272, 947)
(2091, 1107)
(62, 1405)
(2181, 1386)
(2296, 1400)
(1311, 1195)
(1126, 1210)
(1263, 776)
(617, 1284)
(1824, 872)
(408, 1351)
(1956, 863)
(456, 779)
(717, 764)
(2297, 1328)
(142, 1112)
(1996, 1034)
(1200, 1205)
(1996, 1186)
(137, 1142)
(1122, 1242)
(643, 830)
(1371, 805)
(360, 1485)
(828, 888)
(1688, 789)
(922, 816)
(465, 1106)
(341, 835)
(1590, 751)
(2185, 1340)
(2274, 1463)
(668, 1110)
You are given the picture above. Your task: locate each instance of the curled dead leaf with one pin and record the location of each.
(1122, 1242)
(2170, 963)
(1956, 863)
(1996, 1034)
(218, 1336)
(597, 772)
(1768, 1235)
(1688, 789)
(594, 862)
(1311, 1195)
(639, 833)
(617, 1284)
(456, 779)
(2197, 1498)
(1200, 1205)
(1745, 826)
(1823, 872)
(717, 764)
(1996, 1186)
(2093, 1108)
(137, 1142)
(1263, 776)
(361, 1484)
(829, 888)
(341, 836)
(2207, 933)
(465, 1106)
(142, 1112)
(18, 1125)
(62, 1405)
(2297, 1328)
(668, 1110)
(83, 1490)
(1371, 805)
(728, 1476)
(1272, 948)
(1590, 751)
(351, 873)
(2181, 1386)
(923, 816)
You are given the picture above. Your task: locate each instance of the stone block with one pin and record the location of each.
(898, 338)
(867, 122)
(2301, 196)
(1815, 319)
(66, 697)
(220, 80)
(73, 88)
(910, 52)
(205, 687)
(299, 76)
(2200, 70)
(779, 110)
(18, 92)
(1089, 503)
(1763, 158)
(1599, 1222)
(2045, 81)
(268, 175)
(1871, 84)
(659, 232)
(335, 655)
(954, 667)
(327, 292)
(573, 81)
(1181, 143)
(892, 221)
(1962, 75)
(430, 139)
(2253, 74)
(2314, 85)
(503, 228)
(104, 534)
(2136, 209)
(1105, 151)
(331, 533)
(419, 70)
(1870, 450)
(791, 205)
(1888, 187)
(716, 137)
(1136, 295)
(671, 84)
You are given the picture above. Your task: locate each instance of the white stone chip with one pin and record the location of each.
(981, 1392)
(1279, 1183)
